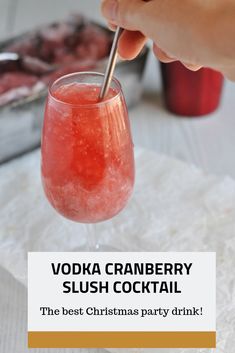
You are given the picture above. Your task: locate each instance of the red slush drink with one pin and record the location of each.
(87, 153)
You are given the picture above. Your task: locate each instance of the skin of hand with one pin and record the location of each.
(196, 32)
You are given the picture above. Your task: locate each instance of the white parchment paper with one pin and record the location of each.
(175, 207)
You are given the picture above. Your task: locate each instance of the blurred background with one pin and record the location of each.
(206, 141)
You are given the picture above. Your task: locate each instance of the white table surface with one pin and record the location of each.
(175, 207)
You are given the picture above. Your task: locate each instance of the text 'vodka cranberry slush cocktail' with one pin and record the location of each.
(87, 149)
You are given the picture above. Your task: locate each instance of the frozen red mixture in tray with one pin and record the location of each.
(70, 46)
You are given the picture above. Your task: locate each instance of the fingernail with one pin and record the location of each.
(121, 57)
(110, 9)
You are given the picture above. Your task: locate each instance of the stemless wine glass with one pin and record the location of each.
(87, 151)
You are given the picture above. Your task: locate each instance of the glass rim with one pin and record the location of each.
(88, 105)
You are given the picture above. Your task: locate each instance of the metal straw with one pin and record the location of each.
(111, 65)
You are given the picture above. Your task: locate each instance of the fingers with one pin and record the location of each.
(112, 27)
(130, 44)
(165, 58)
(161, 55)
(126, 14)
(109, 9)
(192, 67)
(139, 17)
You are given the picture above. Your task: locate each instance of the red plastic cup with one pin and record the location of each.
(189, 93)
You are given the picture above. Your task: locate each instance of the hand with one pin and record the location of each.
(195, 32)
(129, 14)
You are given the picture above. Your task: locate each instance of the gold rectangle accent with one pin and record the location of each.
(122, 339)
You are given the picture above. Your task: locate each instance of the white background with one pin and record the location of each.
(45, 289)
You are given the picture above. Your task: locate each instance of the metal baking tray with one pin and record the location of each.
(21, 121)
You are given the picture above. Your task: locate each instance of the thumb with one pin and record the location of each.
(126, 14)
